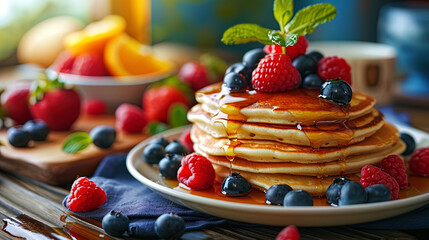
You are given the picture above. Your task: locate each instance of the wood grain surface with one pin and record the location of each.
(46, 162)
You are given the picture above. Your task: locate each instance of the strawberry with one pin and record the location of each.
(130, 118)
(157, 101)
(89, 64)
(94, 107)
(195, 74)
(64, 62)
(57, 106)
(15, 103)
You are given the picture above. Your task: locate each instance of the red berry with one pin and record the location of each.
(334, 67)
(85, 196)
(15, 103)
(130, 118)
(157, 102)
(292, 51)
(371, 175)
(59, 109)
(275, 73)
(185, 140)
(195, 74)
(64, 62)
(395, 167)
(94, 107)
(89, 64)
(288, 233)
(196, 172)
(419, 162)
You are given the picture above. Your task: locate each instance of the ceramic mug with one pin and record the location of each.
(373, 65)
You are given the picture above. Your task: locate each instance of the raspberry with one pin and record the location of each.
(85, 196)
(334, 67)
(288, 233)
(195, 74)
(275, 73)
(94, 107)
(292, 51)
(395, 167)
(157, 101)
(130, 118)
(185, 140)
(196, 172)
(89, 64)
(371, 175)
(419, 162)
(64, 62)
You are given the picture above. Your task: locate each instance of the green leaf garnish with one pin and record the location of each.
(156, 127)
(277, 38)
(177, 115)
(283, 12)
(77, 142)
(291, 39)
(244, 33)
(310, 17)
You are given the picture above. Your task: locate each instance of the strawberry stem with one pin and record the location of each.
(283, 50)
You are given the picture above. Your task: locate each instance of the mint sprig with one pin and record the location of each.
(304, 22)
(77, 142)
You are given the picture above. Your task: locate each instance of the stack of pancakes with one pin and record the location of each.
(292, 137)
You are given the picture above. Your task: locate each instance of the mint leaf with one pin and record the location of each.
(283, 12)
(177, 115)
(244, 33)
(291, 39)
(77, 142)
(310, 17)
(156, 127)
(277, 38)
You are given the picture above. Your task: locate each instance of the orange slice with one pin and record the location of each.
(94, 37)
(125, 56)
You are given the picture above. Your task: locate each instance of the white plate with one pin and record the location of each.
(274, 215)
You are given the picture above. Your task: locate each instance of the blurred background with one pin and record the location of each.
(186, 28)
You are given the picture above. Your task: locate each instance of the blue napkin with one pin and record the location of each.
(142, 205)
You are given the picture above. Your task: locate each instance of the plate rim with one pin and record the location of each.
(313, 210)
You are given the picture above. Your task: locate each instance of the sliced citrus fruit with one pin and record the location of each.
(93, 38)
(125, 56)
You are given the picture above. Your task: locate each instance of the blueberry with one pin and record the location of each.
(378, 193)
(103, 136)
(298, 198)
(162, 141)
(153, 153)
(352, 193)
(409, 141)
(334, 190)
(305, 65)
(276, 193)
(115, 223)
(18, 137)
(312, 81)
(169, 226)
(317, 56)
(37, 129)
(235, 185)
(240, 68)
(235, 82)
(336, 90)
(169, 165)
(252, 57)
(176, 148)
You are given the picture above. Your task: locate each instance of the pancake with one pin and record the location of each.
(297, 106)
(313, 185)
(322, 134)
(352, 164)
(269, 151)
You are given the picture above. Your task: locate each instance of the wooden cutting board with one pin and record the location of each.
(45, 161)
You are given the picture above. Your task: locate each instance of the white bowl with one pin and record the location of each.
(113, 91)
